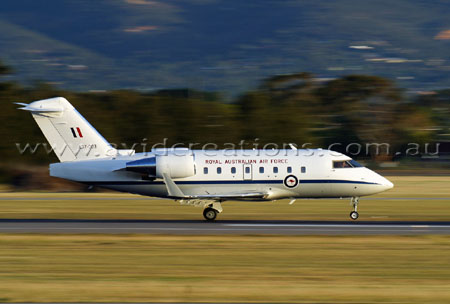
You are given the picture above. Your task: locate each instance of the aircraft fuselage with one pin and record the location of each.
(279, 173)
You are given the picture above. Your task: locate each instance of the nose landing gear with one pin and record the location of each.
(354, 202)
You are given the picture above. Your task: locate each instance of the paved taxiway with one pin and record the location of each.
(222, 227)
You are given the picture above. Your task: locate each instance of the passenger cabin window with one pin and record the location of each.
(275, 170)
(233, 170)
(261, 169)
(346, 164)
(303, 169)
(219, 170)
(289, 169)
(205, 170)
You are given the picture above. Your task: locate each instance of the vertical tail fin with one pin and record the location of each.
(70, 135)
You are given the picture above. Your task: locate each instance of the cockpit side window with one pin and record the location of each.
(338, 164)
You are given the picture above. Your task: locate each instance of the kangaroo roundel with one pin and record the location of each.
(291, 181)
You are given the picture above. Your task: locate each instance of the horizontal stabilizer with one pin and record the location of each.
(27, 107)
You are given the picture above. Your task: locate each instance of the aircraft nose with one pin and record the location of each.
(383, 184)
(388, 184)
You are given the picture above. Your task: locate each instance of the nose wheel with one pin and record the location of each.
(354, 202)
(354, 215)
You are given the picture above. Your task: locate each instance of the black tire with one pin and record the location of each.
(354, 215)
(209, 214)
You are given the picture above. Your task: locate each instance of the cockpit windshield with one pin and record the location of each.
(346, 164)
(355, 164)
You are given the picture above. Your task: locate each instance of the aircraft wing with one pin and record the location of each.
(175, 192)
(243, 195)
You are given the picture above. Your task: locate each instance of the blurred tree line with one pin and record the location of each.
(283, 109)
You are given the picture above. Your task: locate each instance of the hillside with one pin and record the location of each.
(219, 45)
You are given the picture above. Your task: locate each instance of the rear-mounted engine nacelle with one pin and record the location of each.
(176, 165)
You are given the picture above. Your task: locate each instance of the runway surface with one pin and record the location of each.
(186, 227)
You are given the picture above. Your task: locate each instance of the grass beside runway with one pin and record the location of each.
(133, 268)
(435, 205)
(308, 269)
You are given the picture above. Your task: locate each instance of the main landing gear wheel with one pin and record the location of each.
(210, 214)
(354, 202)
(354, 215)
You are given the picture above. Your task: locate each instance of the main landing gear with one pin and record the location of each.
(211, 210)
(354, 202)
(210, 214)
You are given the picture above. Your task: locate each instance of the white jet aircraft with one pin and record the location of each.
(199, 177)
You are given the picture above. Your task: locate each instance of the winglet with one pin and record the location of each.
(172, 188)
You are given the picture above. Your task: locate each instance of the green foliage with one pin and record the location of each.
(284, 109)
(438, 106)
(361, 109)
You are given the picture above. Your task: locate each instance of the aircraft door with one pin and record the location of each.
(248, 174)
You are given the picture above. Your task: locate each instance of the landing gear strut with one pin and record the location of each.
(210, 214)
(354, 202)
